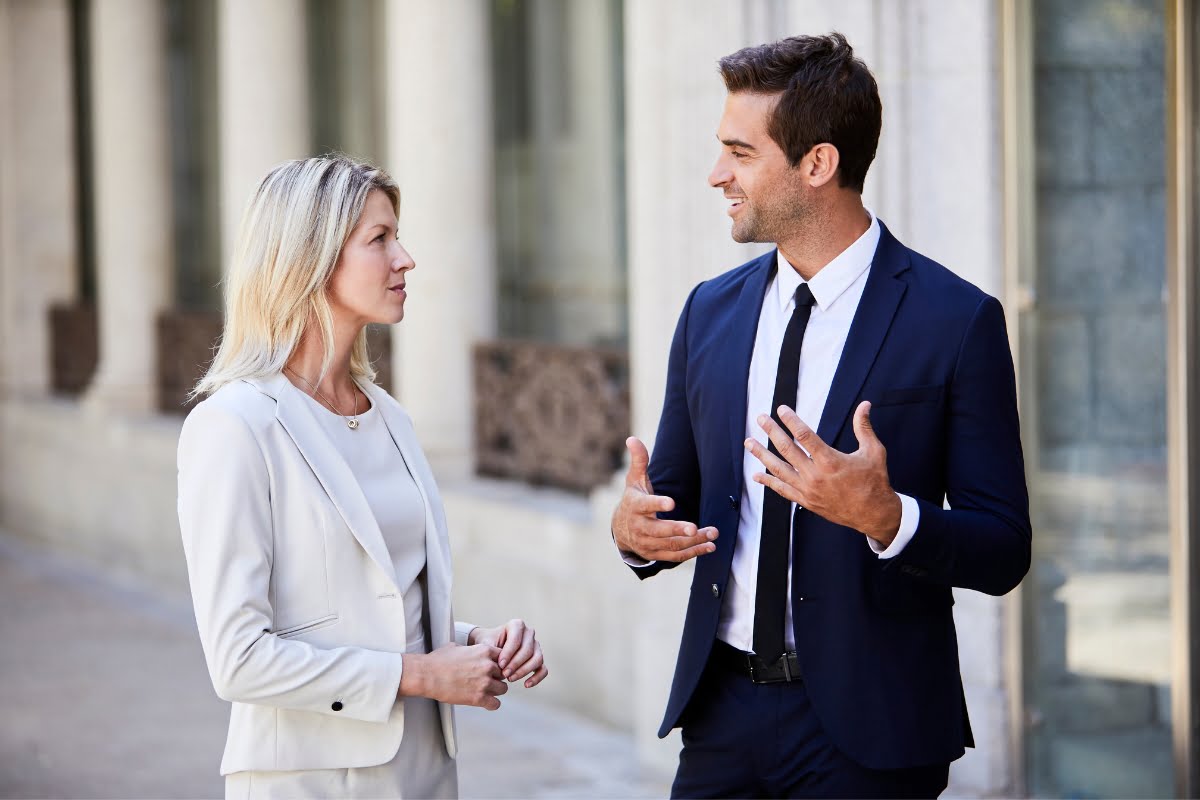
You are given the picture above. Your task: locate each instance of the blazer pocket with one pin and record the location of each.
(909, 395)
(307, 627)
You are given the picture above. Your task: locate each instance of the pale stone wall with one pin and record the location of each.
(533, 553)
(678, 236)
(103, 483)
(935, 182)
(95, 485)
(439, 147)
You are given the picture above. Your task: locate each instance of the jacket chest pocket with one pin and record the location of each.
(911, 424)
(900, 411)
(909, 395)
(307, 627)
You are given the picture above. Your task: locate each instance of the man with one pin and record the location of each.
(819, 656)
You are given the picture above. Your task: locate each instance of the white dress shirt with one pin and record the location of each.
(837, 289)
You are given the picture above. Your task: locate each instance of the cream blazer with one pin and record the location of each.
(300, 617)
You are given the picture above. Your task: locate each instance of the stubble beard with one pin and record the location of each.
(777, 221)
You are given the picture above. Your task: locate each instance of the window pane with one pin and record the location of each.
(345, 68)
(192, 73)
(1098, 632)
(559, 170)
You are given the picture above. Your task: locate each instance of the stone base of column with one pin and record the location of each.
(119, 397)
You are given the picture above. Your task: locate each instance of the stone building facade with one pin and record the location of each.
(552, 157)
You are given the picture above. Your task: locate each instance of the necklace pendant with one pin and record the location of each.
(352, 424)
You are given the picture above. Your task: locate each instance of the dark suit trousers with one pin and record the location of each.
(763, 740)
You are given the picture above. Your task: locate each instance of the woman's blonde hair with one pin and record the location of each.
(288, 245)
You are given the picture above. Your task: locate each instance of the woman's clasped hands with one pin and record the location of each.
(476, 675)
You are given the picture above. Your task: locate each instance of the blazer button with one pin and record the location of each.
(716, 590)
(337, 705)
(733, 501)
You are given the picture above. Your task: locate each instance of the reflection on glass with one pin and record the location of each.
(559, 170)
(346, 49)
(192, 78)
(1097, 628)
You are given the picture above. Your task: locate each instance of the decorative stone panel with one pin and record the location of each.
(550, 415)
(187, 342)
(73, 348)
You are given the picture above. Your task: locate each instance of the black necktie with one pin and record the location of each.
(770, 599)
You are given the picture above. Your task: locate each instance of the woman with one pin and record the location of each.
(314, 534)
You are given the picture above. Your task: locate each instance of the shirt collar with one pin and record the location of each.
(832, 281)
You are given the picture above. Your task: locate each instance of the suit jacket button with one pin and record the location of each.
(337, 705)
(716, 590)
(733, 502)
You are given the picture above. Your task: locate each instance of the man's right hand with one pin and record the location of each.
(636, 526)
(463, 676)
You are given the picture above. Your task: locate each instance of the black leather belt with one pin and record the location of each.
(784, 669)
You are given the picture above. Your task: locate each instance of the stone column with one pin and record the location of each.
(936, 183)
(38, 242)
(439, 146)
(132, 198)
(678, 236)
(262, 90)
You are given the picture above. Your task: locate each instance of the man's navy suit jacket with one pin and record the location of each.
(875, 637)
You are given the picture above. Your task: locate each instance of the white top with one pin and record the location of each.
(394, 499)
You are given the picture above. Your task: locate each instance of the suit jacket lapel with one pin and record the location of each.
(742, 334)
(880, 299)
(330, 468)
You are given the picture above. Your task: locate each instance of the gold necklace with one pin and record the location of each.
(351, 421)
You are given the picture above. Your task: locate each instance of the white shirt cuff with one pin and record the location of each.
(462, 631)
(631, 559)
(910, 517)
(634, 561)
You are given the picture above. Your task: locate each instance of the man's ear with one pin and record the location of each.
(820, 164)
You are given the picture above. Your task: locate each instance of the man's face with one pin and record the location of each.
(768, 196)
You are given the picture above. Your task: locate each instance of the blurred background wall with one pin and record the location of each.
(552, 156)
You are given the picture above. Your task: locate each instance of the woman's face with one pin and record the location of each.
(368, 281)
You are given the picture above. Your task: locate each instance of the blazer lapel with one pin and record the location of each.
(330, 468)
(880, 299)
(437, 543)
(742, 334)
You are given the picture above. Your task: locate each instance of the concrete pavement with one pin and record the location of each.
(104, 694)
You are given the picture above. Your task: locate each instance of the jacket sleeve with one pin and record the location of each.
(983, 540)
(225, 519)
(462, 632)
(674, 469)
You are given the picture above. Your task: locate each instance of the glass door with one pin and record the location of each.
(1097, 668)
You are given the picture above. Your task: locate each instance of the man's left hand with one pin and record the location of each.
(520, 651)
(850, 489)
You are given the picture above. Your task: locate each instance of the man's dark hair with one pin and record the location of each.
(826, 95)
